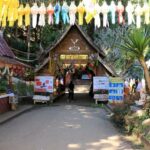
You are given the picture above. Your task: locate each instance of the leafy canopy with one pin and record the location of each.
(136, 43)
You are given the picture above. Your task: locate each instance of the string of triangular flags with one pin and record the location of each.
(12, 11)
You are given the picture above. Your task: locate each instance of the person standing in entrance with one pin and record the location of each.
(71, 90)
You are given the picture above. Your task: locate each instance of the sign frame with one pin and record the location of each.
(44, 84)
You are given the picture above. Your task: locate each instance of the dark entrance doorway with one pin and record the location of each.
(81, 99)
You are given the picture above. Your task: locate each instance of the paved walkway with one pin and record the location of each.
(62, 127)
(12, 114)
(79, 99)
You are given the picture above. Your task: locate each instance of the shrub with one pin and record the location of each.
(119, 115)
(3, 85)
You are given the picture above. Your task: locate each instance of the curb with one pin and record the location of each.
(15, 115)
(108, 108)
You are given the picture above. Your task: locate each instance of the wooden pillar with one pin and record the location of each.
(50, 65)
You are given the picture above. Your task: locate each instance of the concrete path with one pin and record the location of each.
(63, 127)
(7, 116)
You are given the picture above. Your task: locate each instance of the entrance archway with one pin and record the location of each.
(74, 54)
(82, 76)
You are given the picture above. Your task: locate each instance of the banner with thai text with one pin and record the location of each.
(116, 89)
(44, 84)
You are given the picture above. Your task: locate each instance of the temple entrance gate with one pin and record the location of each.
(74, 57)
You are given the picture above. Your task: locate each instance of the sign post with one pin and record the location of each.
(43, 87)
(100, 88)
(116, 90)
(44, 84)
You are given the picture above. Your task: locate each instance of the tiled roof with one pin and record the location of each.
(4, 49)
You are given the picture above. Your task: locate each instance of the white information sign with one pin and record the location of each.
(100, 83)
(44, 84)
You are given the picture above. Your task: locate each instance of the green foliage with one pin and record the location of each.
(119, 115)
(136, 43)
(29, 75)
(108, 40)
(23, 89)
(50, 34)
(3, 84)
(135, 71)
(147, 137)
(30, 89)
(134, 124)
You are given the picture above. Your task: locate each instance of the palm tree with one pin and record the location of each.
(136, 44)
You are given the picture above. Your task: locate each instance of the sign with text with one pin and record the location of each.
(100, 83)
(44, 84)
(116, 89)
(101, 97)
(100, 88)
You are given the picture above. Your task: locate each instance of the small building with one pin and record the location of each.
(74, 48)
(9, 67)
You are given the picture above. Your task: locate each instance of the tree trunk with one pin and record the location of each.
(28, 42)
(146, 73)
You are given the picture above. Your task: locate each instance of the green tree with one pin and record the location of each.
(136, 45)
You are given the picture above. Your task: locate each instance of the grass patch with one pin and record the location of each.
(97, 105)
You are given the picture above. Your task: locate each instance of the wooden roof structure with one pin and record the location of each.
(87, 38)
(5, 51)
(6, 54)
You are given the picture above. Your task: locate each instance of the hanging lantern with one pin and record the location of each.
(90, 11)
(16, 4)
(97, 20)
(89, 15)
(146, 11)
(113, 12)
(13, 12)
(20, 15)
(34, 12)
(64, 13)
(138, 13)
(130, 10)
(42, 12)
(81, 11)
(1, 6)
(120, 10)
(105, 10)
(4, 12)
(57, 12)
(50, 11)
(27, 11)
(72, 13)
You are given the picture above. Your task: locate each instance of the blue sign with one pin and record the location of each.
(116, 89)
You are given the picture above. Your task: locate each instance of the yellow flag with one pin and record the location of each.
(94, 1)
(1, 4)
